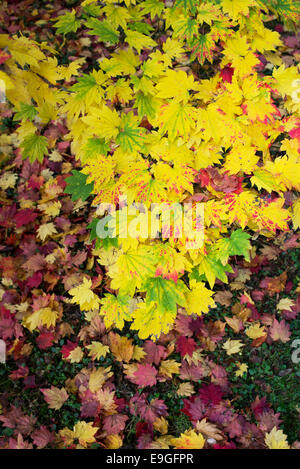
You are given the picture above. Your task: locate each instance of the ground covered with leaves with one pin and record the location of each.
(226, 379)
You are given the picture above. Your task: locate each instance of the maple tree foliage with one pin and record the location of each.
(159, 102)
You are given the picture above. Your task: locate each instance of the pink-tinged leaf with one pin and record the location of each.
(18, 421)
(147, 411)
(154, 353)
(19, 443)
(145, 375)
(42, 437)
(280, 331)
(114, 424)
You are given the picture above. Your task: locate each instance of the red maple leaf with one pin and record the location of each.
(45, 340)
(67, 348)
(145, 375)
(23, 217)
(210, 394)
(186, 346)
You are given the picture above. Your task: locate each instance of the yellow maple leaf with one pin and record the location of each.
(84, 296)
(255, 331)
(185, 390)
(199, 298)
(76, 355)
(296, 214)
(97, 350)
(121, 347)
(113, 441)
(232, 346)
(189, 440)
(43, 317)
(276, 439)
(242, 368)
(45, 230)
(85, 433)
(161, 425)
(285, 304)
(169, 367)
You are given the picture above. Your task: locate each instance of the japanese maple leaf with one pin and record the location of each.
(185, 346)
(114, 424)
(194, 408)
(145, 375)
(67, 348)
(17, 420)
(210, 394)
(41, 437)
(45, 340)
(280, 331)
(23, 217)
(154, 353)
(148, 411)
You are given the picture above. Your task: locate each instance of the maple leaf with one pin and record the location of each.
(45, 230)
(97, 350)
(84, 296)
(285, 304)
(78, 187)
(276, 439)
(242, 368)
(280, 331)
(169, 367)
(85, 433)
(67, 23)
(199, 298)
(255, 331)
(76, 355)
(115, 310)
(45, 340)
(145, 375)
(139, 41)
(190, 439)
(232, 346)
(185, 390)
(176, 119)
(121, 347)
(42, 437)
(185, 346)
(114, 424)
(103, 29)
(209, 430)
(34, 147)
(55, 397)
(44, 316)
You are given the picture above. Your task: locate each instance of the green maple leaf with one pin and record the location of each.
(84, 84)
(94, 147)
(165, 293)
(237, 245)
(130, 137)
(25, 112)
(154, 7)
(187, 5)
(146, 105)
(103, 29)
(67, 23)
(211, 268)
(77, 186)
(34, 147)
